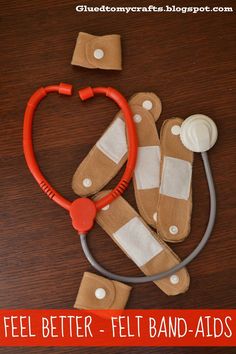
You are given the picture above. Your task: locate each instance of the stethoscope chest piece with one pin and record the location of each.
(83, 212)
(198, 133)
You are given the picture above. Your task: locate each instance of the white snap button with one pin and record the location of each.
(173, 229)
(137, 118)
(98, 53)
(155, 217)
(100, 293)
(87, 182)
(106, 207)
(174, 279)
(175, 130)
(147, 104)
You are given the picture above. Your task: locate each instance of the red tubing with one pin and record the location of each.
(82, 210)
(28, 144)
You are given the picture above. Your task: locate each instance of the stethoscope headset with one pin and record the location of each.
(198, 133)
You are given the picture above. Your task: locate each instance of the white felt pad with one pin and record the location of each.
(176, 178)
(138, 242)
(147, 170)
(113, 142)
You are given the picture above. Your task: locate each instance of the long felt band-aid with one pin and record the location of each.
(175, 195)
(109, 154)
(146, 177)
(140, 243)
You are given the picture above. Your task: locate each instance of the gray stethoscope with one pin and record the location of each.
(198, 133)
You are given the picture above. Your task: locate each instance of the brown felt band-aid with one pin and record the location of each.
(141, 244)
(174, 206)
(102, 52)
(109, 154)
(99, 293)
(146, 178)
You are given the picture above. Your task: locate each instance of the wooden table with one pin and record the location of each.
(189, 61)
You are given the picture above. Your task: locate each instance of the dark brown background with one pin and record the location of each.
(189, 61)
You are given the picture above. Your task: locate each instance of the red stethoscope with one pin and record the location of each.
(82, 210)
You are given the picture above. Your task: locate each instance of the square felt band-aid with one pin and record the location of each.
(174, 206)
(99, 293)
(109, 154)
(102, 52)
(141, 244)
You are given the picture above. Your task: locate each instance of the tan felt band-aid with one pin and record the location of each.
(102, 52)
(99, 293)
(141, 244)
(175, 198)
(109, 154)
(146, 179)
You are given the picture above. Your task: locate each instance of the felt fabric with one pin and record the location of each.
(106, 157)
(154, 101)
(121, 219)
(100, 166)
(85, 51)
(174, 205)
(116, 294)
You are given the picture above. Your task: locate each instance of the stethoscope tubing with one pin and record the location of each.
(85, 93)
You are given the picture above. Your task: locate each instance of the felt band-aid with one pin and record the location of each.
(99, 293)
(174, 206)
(103, 161)
(102, 52)
(141, 244)
(109, 154)
(146, 179)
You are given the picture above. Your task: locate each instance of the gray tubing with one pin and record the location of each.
(187, 260)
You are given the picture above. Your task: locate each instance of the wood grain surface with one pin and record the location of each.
(189, 61)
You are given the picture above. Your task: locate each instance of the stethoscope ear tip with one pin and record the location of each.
(198, 133)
